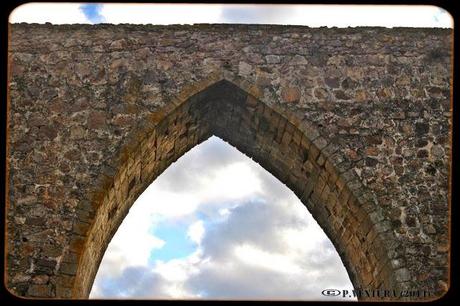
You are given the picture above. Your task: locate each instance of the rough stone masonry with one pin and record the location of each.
(356, 121)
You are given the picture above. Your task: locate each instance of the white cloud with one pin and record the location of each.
(310, 15)
(372, 15)
(339, 15)
(252, 243)
(176, 273)
(173, 270)
(238, 178)
(62, 13)
(179, 191)
(196, 231)
(256, 257)
(161, 13)
(134, 241)
(166, 204)
(131, 246)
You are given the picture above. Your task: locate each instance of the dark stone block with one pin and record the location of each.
(348, 83)
(421, 143)
(371, 162)
(422, 153)
(45, 266)
(341, 95)
(39, 291)
(332, 82)
(422, 128)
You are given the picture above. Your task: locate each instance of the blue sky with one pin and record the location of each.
(177, 244)
(92, 12)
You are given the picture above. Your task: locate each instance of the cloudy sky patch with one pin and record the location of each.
(301, 14)
(235, 233)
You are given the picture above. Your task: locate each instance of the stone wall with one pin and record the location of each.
(355, 121)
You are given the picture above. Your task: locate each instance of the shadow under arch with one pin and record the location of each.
(280, 140)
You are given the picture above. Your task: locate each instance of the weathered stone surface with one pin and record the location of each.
(355, 121)
(40, 279)
(41, 291)
(290, 94)
(332, 82)
(272, 59)
(97, 120)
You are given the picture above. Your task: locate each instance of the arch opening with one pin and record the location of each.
(216, 225)
(301, 159)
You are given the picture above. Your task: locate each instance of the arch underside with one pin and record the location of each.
(257, 130)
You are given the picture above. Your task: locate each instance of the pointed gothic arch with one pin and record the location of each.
(282, 142)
